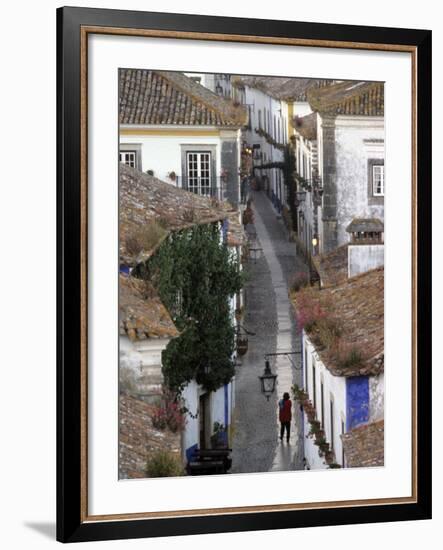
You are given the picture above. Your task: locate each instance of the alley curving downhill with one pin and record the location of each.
(269, 314)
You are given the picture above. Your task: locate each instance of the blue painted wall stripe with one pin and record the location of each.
(357, 401)
(190, 452)
(226, 405)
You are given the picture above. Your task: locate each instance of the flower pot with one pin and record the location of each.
(219, 440)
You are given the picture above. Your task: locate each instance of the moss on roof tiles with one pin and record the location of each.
(349, 98)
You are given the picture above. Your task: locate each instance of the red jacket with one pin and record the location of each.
(285, 412)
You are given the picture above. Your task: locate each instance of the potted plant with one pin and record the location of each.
(242, 345)
(315, 428)
(239, 313)
(219, 437)
(320, 441)
(172, 176)
(329, 457)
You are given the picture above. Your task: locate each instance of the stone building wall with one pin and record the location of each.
(347, 144)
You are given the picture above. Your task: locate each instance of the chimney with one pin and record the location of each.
(366, 247)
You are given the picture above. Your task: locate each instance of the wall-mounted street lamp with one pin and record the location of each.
(267, 380)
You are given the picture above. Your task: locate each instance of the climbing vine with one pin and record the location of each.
(287, 166)
(195, 275)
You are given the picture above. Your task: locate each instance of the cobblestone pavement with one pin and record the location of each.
(268, 313)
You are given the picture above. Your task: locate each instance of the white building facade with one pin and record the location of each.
(176, 129)
(350, 142)
(341, 403)
(267, 134)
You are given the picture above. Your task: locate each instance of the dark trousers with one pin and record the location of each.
(285, 426)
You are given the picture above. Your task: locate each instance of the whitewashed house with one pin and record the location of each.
(350, 166)
(218, 83)
(146, 327)
(267, 130)
(343, 362)
(176, 129)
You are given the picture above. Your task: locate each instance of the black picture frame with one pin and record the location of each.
(72, 526)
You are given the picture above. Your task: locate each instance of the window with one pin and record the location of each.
(306, 372)
(378, 180)
(342, 446)
(259, 119)
(129, 158)
(199, 172)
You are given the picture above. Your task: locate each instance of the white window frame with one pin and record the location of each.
(123, 157)
(378, 181)
(199, 177)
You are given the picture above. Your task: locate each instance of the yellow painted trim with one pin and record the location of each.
(290, 116)
(167, 132)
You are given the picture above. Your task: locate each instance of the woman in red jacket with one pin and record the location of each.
(285, 416)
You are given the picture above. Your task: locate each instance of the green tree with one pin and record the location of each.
(195, 275)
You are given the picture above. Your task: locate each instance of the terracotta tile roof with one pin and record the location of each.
(138, 438)
(357, 305)
(306, 126)
(160, 97)
(284, 88)
(151, 208)
(349, 98)
(141, 313)
(364, 445)
(333, 266)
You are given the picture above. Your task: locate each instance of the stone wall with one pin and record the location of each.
(346, 145)
(329, 176)
(377, 397)
(230, 165)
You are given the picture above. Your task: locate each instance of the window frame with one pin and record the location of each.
(381, 183)
(135, 148)
(375, 199)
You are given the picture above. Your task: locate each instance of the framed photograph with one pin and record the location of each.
(244, 242)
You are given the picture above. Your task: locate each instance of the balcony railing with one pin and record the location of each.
(215, 187)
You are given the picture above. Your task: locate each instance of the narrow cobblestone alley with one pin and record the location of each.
(269, 314)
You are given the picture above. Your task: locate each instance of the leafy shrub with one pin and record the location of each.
(164, 464)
